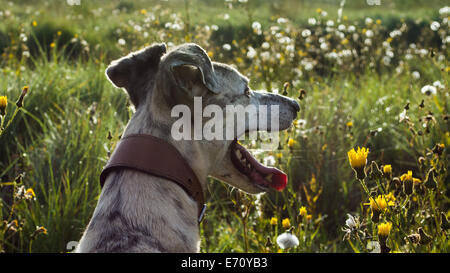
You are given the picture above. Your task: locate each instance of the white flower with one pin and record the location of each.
(269, 160)
(226, 16)
(368, 42)
(341, 27)
(330, 23)
(369, 33)
(287, 240)
(402, 116)
(282, 20)
(265, 56)
(26, 54)
(265, 45)
(251, 52)
(121, 41)
(350, 222)
(444, 11)
(351, 28)
(312, 21)
(215, 27)
(438, 84)
(428, 90)
(324, 13)
(369, 21)
(306, 33)
(435, 26)
(324, 46)
(256, 25)
(374, 247)
(415, 75)
(227, 47)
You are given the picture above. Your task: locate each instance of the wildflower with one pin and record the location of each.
(408, 182)
(29, 194)
(349, 124)
(13, 225)
(302, 94)
(227, 47)
(3, 105)
(303, 211)
(273, 221)
(287, 240)
(435, 26)
(286, 223)
(428, 90)
(384, 229)
(19, 102)
(121, 41)
(34, 23)
(358, 160)
(291, 142)
(279, 155)
(269, 160)
(308, 217)
(438, 148)
(143, 11)
(39, 230)
(52, 45)
(387, 169)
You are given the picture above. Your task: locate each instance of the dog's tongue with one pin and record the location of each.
(259, 171)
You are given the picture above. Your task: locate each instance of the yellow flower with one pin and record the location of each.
(286, 223)
(344, 42)
(143, 11)
(291, 142)
(406, 177)
(416, 181)
(42, 230)
(381, 202)
(52, 45)
(389, 40)
(387, 169)
(59, 33)
(34, 23)
(309, 217)
(349, 124)
(274, 221)
(358, 159)
(384, 229)
(378, 21)
(279, 155)
(303, 211)
(29, 194)
(318, 10)
(3, 104)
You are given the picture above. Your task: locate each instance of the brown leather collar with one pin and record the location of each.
(155, 156)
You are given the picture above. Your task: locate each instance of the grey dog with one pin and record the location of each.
(139, 212)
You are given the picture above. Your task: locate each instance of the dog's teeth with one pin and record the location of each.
(238, 154)
(249, 165)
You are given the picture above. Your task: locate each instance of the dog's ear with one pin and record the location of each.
(133, 71)
(189, 64)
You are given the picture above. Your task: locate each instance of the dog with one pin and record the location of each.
(140, 212)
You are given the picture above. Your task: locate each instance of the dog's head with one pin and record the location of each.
(207, 106)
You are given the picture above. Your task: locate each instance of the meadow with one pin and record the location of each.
(367, 157)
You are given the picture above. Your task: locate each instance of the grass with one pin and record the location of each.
(72, 117)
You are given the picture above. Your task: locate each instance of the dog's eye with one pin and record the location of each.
(247, 91)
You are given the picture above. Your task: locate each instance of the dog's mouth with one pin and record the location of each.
(262, 176)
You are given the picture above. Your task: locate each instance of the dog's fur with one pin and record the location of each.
(138, 212)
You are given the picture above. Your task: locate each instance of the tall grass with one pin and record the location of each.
(72, 117)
